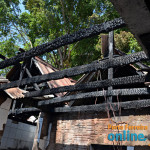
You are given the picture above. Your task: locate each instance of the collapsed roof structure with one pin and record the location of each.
(33, 67)
(113, 91)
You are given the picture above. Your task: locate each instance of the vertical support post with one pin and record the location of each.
(104, 50)
(30, 76)
(91, 147)
(38, 132)
(110, 55)
(43, 132)
(14, 104)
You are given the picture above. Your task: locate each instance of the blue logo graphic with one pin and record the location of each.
(126, 136)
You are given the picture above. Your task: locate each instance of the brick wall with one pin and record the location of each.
(77, 131)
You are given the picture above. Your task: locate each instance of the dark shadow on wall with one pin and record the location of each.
(93, 147)
(68, 147)
(148, 4)
(107, 147)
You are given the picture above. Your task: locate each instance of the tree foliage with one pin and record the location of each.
(45, 20)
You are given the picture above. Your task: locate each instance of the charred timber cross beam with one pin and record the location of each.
(24, 110)
(91, 85)
(65, 40)
(135, 104)
(121, 92)
(97, 65)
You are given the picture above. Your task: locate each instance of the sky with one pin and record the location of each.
(22, 6)
(22, 10)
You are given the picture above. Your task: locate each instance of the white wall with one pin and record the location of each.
(18, 135)
(4, 111)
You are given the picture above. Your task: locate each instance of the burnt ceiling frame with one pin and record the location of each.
(107, 63)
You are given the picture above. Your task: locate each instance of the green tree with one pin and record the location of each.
(126, 42)
(49, 19)
(45, 20)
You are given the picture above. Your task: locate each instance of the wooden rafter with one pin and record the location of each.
(104, 64)
(24, 110)
(121, 92)
(91, 85)
(30, 76)
(65, 40)
(136, 104)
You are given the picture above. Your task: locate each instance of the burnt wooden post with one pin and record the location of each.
(43, 131)
(30, 76)
(13, 106)
(110, 55)
(104, 45)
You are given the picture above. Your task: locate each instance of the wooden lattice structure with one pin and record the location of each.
(130, 87)
(108, 63)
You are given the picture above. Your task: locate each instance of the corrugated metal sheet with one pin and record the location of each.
(15, 93)
(46, 68)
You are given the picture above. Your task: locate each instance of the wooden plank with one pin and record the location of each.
(136, 104)
(65, 40)
(120, 92)
(3, 57)
(91, 85)
(41, 85)
(3, 80)
(104, 50)
(104, 64)
(86, 79)
(110, 70)
(21, 50)
(14, 105)
(30, 76)
(24, 110)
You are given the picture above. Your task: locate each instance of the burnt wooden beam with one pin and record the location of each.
(21, 50)
(41, 85)
(23, 110)
(3, 57)
(140, 64)
(88, 78)
(136, 104)
(110, 70)
(91, 85)
(65, 40)
(30, 76)
(120, 92)
(22, 70)
(14, 105)
(3, 80)
(104, 50)
(104, 64)
(145, 69)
